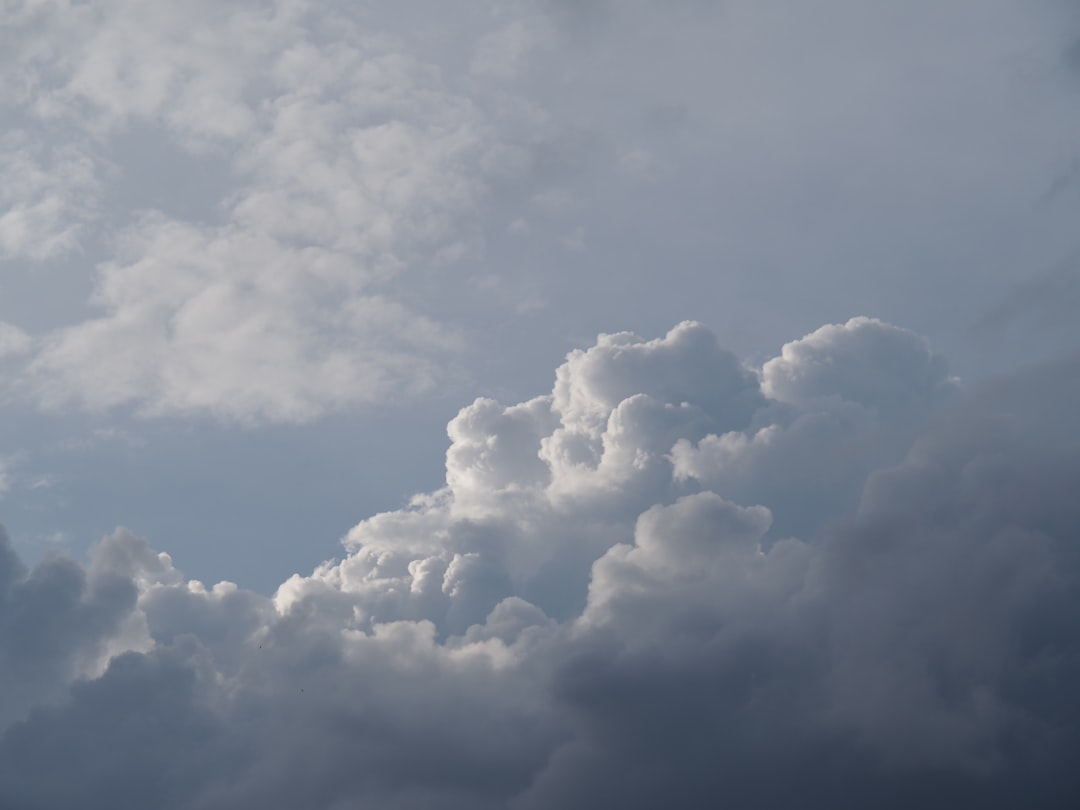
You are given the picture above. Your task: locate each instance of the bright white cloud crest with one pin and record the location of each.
(600, 602)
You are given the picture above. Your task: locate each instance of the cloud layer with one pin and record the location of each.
(842, 580)
(271, 211)
(331, 160)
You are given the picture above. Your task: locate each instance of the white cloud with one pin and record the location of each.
(863, 361)
(405, 140)
(107, 64)
(621, 618)
(46, 198)
(229, 321)
(351, 162)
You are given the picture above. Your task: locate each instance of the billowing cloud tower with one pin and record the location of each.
(842, 580)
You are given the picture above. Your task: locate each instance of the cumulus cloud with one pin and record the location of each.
(345, 160)
(220, 321)
(56, 623)
(633, 590)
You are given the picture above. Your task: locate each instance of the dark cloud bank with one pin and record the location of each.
(843, 580)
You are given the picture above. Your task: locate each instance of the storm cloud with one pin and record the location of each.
(256, 254)
(840, 579)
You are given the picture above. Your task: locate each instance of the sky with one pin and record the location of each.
(538, 403)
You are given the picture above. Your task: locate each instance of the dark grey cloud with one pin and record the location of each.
(55, 621)
(599, 609)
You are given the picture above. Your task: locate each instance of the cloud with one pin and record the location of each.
(375, 165)
(47, 196)
(347, 162)
(55, 622)
(1042, 303)
(13, 340)
(599, 606)
(220, 320)
(863, 361)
